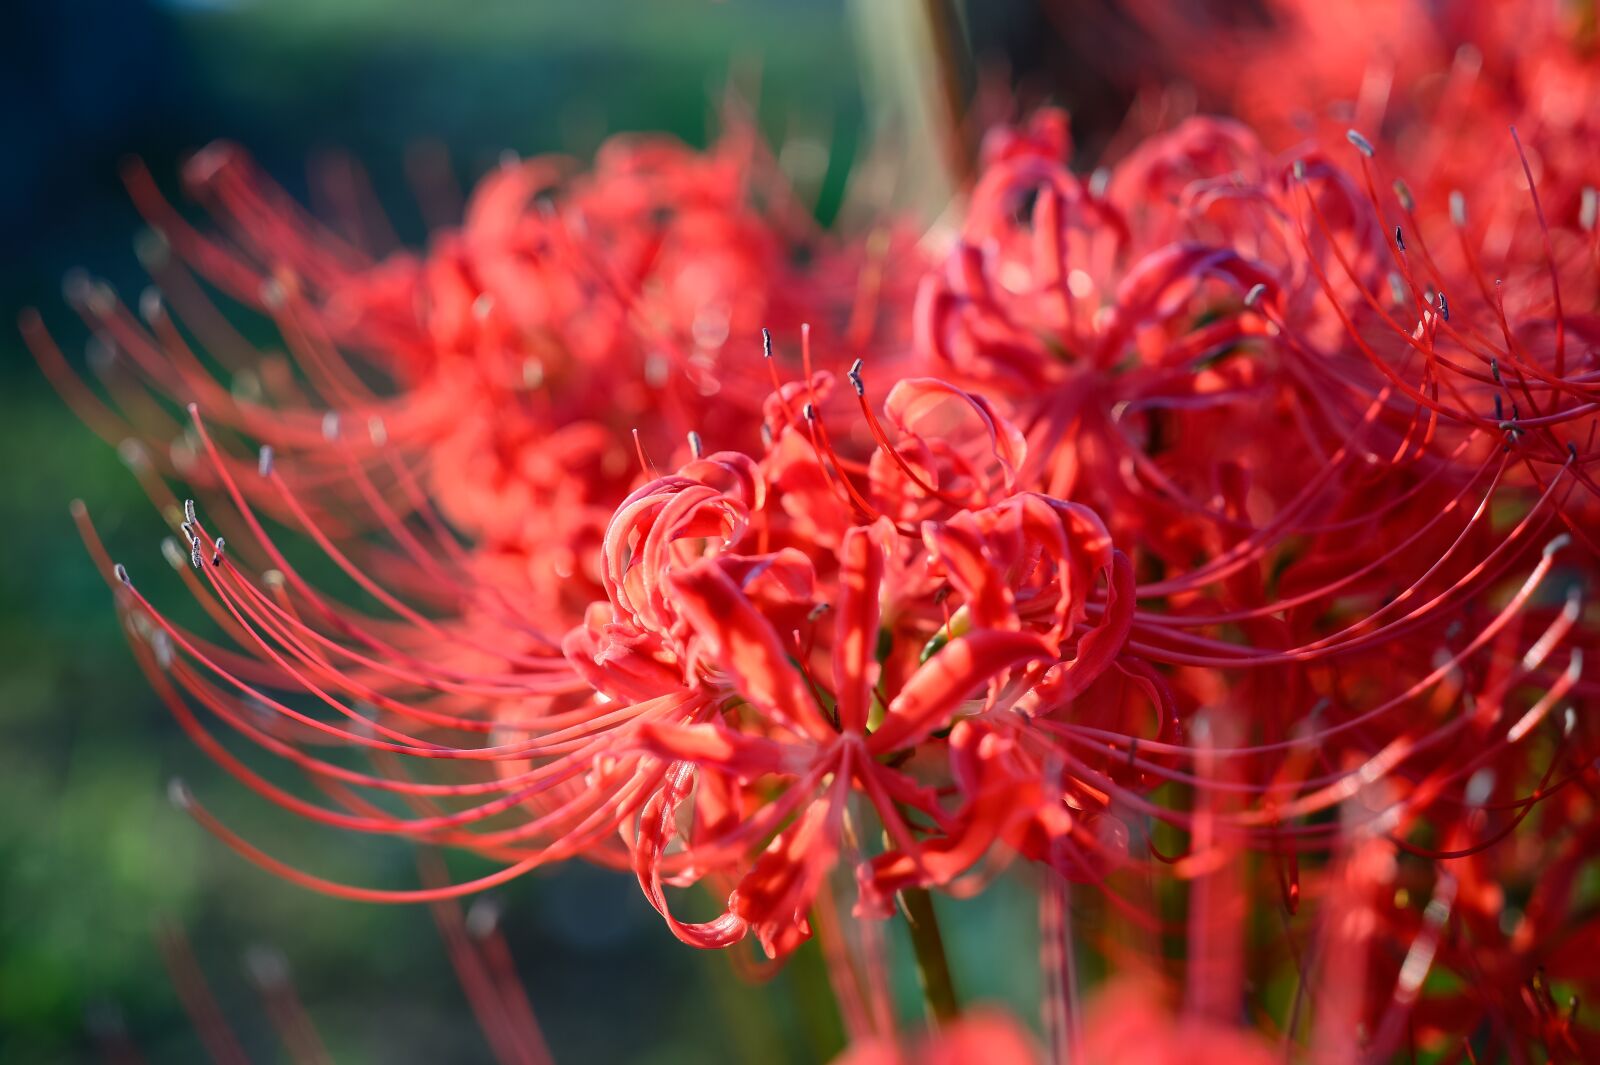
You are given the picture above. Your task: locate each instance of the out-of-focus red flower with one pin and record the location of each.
(1126, 1024)
(987, 1036)
(1435, 86)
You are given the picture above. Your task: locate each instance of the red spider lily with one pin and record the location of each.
(1240, 541)
(1321, 464)
(566, 311)
(1434, 84)
(767, 688)
(504, 425)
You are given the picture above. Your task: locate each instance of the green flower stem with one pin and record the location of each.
(933, 968)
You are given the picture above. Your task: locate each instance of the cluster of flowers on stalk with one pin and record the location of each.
(1212, 528)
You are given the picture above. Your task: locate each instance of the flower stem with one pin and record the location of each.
(933, 968)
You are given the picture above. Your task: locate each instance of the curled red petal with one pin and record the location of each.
(746, 647)
(932, 695)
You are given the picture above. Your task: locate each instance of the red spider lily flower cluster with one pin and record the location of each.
(1223, 521)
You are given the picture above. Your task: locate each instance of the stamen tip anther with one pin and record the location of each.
(75, 285)
(150, 304)
(267, 967)
(1361, 143)
(151, 248)
(272, 293)
(161, 644)
(1479, 787)
(483, 917)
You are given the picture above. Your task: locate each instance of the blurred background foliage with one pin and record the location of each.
(92, 858)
